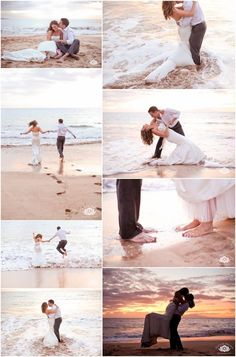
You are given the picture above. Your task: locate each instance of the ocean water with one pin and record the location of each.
(129, 329)
(31, 27)
(84, 244)
(84, 123)
(133, 41)
(124, 151)
(24, 325)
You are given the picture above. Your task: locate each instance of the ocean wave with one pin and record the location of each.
(85, 142)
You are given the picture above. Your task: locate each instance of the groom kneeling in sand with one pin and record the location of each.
(57, 317)
(69, 46)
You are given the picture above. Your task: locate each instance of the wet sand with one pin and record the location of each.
(56, 190)
(90, 51)
(171, 249)
(202, 346)
(53, 278)
(179, 171)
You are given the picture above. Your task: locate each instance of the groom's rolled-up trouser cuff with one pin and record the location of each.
(195, 41)
(128, 199)
(71, 49)
(57, 324)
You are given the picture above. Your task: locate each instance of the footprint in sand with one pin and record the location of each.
(98, 184)
(61, 193)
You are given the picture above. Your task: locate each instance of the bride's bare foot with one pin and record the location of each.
(195, 223)
(201, 230)
(143, 238)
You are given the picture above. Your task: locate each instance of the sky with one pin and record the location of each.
(40, 9)
(132, 293)
(51, 88)
(183, 100)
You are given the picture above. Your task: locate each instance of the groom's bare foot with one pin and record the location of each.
(188, 226)
(201, 230)
(143, 238)
(149, 230)
(63, 58)
(75, 56)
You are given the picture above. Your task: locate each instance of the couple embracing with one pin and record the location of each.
(53, 313)
(166, 325)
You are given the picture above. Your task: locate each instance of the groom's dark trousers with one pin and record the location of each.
(175, 341)
(178, 129)
(195, 41)
(60, 145)
(57, 324)
(61, 246)
(128, 199)
(71, 49)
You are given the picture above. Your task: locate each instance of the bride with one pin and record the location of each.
(182, 55)
(186, 152)
(206, 200)
(50, 339)
(35, 130)
(38, 258)
(158, 325)
(45, 50)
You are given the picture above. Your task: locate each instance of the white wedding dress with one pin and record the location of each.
(186, 152)
(36, 155)
(38, 258)
(158, 325)
(50, 340)
(179, 58)
(33, 55)
(208, 199)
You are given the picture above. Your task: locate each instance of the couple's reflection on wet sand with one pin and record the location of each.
(38, 168)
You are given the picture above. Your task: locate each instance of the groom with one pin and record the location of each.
(170, 117)
(61, 137)
(69, 46)
(57, 316)
(61, 234)
(198, 24)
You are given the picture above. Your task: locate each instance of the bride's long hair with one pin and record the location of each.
(53, 22)
(44, 307)
(147, 136)
(167, 8)
(33, 123)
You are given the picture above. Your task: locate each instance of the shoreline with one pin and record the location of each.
(193, 346)
(90, 50)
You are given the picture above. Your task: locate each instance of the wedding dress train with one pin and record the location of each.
(32, 55)
(50, 339)
(186, 152)
(180, 57)
(208, 199)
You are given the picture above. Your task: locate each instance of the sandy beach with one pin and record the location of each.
(90, 51)
(55, 190)
(170, 249)
(53, 278)
(202, 346)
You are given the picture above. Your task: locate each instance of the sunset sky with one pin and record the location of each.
(134, 293)
(139, 100)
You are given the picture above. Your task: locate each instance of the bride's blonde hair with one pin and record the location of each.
(167, 8)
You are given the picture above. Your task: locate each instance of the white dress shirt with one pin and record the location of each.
(61, 130)
(196, 19)
(56, 314)
(68, 35)
(61, 234)
(170, 117)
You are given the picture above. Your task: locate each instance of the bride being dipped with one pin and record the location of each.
(191, 29)
(166, 325)
(46, 49)
(35, 130)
